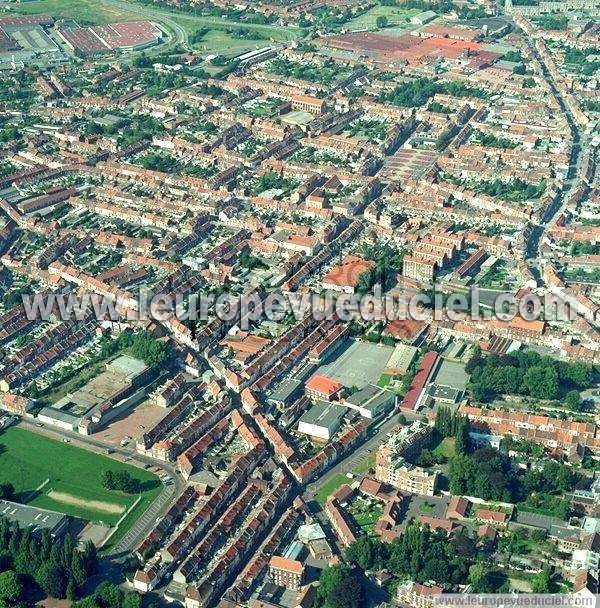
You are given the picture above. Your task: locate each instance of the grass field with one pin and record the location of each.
(331, 486)
(27, 460)
(445, 448)
(396, 15)
(85, 12)
(220, 40)
(365, 465)
(191, 23)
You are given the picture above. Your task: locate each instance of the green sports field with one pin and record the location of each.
(27, 460)
(396, 16)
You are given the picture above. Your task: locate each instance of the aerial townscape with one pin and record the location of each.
(178, 178)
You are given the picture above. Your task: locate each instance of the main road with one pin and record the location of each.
(573, 173)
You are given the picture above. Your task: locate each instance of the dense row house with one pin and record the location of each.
(181, 233)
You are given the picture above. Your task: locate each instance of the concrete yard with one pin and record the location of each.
(452, 374)
(357, 364)
(128, 428)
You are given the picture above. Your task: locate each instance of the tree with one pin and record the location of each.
(479, 577)
(67, 551)
(11, 588)
(146, 347)
(46, 544)
(71, 590)
(363, 552)
(107, 480)
(462, 444)
(573, 400)
(51, 578)
(330, 577)
(541, 382)
(4, 533)
(346, 594)
(381, 21)
(90, 558)
(7, 491)
(132, 600)
(110, 595)
(77, 569)
(486, 473)
(6, 560)
(435, 569)
(540, 583)
(476, 360)
(579, 373)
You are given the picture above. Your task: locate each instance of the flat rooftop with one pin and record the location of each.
(324, 414)
(31, 517)
(451, 374)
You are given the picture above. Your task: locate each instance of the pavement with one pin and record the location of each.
(573, 175)
(377, 434)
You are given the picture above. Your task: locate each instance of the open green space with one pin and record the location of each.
(331, 486)
(85, 12)
(220, 40)
(366, 513)
(75, 488)
(396, 15)
(445, 448)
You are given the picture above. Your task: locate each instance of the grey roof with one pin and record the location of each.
(324, 413)
(402, 357)
(563, 532)
(32, 517)
(371, 397)
(285, 390)
(439, 391)
(59, 415)
(451, 374)
(127, 365)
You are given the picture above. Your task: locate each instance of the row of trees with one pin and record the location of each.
(54, 565)
(447, 424)
(108, 595)
(416, 93)
(526, 373)
(454, 424)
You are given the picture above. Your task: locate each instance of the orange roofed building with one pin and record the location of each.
(345, 276)
(321, 387)
(288, 573)
(307, 103)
